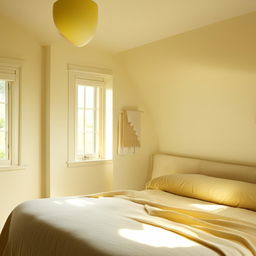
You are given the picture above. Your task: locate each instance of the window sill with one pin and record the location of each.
(89, 162)
(12, 168)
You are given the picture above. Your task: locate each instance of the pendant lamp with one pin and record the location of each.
(76, 20)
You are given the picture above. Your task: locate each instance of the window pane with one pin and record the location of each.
(2, 91)
(89, 120)
(2, 117)
(97, 105)
(89, 96)
(3, 153)
(97, 130)
(80, 120)
(80, 96)
(80, 143)
(3, 121)
(89, 143)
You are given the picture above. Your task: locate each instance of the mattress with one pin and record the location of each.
(128, 223)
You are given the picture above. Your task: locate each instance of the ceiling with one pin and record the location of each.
(126, 24)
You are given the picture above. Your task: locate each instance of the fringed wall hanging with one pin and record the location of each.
(129, 140)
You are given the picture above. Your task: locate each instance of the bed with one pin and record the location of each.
(160, 220)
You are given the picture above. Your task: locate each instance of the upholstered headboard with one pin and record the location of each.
(164, 164)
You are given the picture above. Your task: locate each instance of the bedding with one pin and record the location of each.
(128, 223)
(217, 190)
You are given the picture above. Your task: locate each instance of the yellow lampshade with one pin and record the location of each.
(76, 20)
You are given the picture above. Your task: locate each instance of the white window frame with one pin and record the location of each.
(101, 117)
(10, 72)
(7, 162)
(92, 77)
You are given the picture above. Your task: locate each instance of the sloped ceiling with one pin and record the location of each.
(126, 24)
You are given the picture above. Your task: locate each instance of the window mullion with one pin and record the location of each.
(11, 122)
(7, 119)
(94, 121)
(101, 119)
(84, 127)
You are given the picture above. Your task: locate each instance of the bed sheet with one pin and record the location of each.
(127, 223)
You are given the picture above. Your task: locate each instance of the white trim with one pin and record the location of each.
(7, 75)
(11, 63)
(92, 77)
(6, 162)
(89, 82)
(71, 115)
(15, 120)
(90, 70)
(10, 71)
(12, 168)
(102, 124)
(71, 164)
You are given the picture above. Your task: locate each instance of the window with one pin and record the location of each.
(89, 122)
(90, 114)
(9, 113)
(4, 110)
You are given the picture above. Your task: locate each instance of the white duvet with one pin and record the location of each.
(129, 223)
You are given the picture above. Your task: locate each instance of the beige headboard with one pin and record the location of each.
(164, 164)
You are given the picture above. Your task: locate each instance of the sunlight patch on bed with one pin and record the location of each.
(156, 237)
(79, 202)
(209, 207)
(57, 202)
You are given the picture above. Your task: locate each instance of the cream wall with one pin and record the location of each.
(200, 88)
(131, 171)
(197, 91)
(126, 171)
(20, 185)
(65, 180)
(44, 99)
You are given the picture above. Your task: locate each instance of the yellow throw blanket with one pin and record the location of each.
(227, 236)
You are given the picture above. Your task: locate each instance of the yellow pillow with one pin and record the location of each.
(217, 190)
